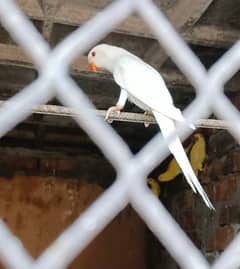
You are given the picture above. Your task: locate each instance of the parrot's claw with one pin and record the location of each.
(146, 122)
(116, 109)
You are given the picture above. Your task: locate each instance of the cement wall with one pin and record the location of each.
(38, 209)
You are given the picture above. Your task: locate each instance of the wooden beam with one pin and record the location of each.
(15, 55)
(183, 15)
(11, 54)
(50, 8)
(211, 36)
(32, 8)
(74, 13)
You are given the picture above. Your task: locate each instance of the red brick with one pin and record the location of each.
(224, 189)
(232, 164)
(66, 165)
(188, 221)
(20, 163)
(204, 179)
(230, 214)
(211, 245)
(185, 199)
(48, 164)
(223, 236)
(26, 163)
(224, 215)
(220, 144)
(212, 171)
(216, 168)
(195, 237)
(53, 165)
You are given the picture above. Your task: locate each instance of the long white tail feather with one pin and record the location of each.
(182, 119)
(192, 126)
(167, 127)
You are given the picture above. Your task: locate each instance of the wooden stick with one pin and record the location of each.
(62, 111)
(141, 118)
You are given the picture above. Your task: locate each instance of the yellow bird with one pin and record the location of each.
(173, 169)
(198, 153)
(154, 186)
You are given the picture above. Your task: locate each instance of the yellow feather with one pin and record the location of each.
(198, 153)
(155, 187)
(173, 169)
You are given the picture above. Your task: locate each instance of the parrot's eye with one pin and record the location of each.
(94, 53)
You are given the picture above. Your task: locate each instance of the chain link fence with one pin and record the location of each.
(130, 185)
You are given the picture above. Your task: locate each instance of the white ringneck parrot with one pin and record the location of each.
(145, 87)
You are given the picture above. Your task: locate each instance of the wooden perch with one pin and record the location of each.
(141, 118)
(62, 111)
(124, 116)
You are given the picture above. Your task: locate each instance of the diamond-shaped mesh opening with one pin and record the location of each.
(6, 38)
(10, 83)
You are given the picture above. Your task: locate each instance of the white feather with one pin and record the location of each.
(147, 89)
(167, 127)
(144, 84)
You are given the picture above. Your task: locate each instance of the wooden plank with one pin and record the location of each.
(32, 8)
(75, 14)
(212, 36)
(183, 15)
(13, 55)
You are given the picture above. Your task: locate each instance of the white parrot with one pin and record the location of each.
(145, 87)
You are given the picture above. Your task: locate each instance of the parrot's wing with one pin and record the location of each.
(145, 84)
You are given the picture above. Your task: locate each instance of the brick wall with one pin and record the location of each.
(210, 231)
(93, 169)
(213, 231)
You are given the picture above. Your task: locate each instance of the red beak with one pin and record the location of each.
(93, 67)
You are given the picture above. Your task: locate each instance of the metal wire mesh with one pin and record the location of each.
(130, 186)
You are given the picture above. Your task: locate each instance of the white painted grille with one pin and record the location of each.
(130, 186)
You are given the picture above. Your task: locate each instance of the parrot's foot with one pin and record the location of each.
(117, 109)
(146, 122)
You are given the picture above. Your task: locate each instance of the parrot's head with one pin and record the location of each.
(103, 57)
